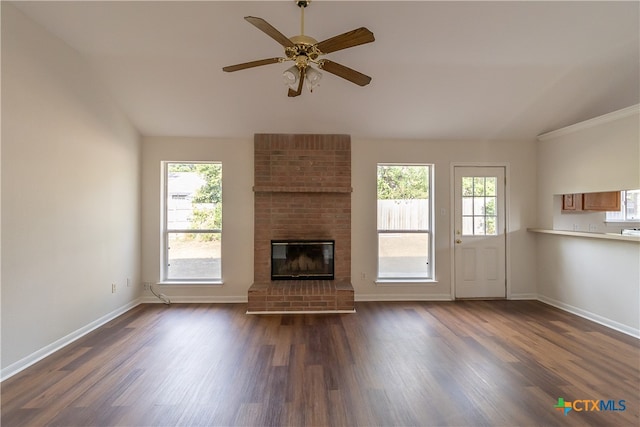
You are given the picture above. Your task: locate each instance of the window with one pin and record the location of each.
(630, 208)
(479, 200)
(405, 240)
(192, 234)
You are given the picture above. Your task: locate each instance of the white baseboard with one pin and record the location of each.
(38, 355)
(304, 312)
(430, 297)
(402, 297)
(150, 299)
(591, 316)
(523, 297)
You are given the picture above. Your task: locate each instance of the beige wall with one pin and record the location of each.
(236, 156)
(594, 278)
(237, 159)
(70, 196)
(521, 189)
(598, 155)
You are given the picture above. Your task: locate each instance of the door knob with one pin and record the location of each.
(458, 241)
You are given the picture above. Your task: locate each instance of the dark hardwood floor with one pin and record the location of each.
(467, 363)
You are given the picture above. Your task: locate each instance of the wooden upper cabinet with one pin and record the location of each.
(569, 202)
(604, 201)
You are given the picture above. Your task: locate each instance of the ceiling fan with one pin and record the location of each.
(304, 51)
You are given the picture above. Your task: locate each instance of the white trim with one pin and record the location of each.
(38, 355)
(405, 282)
(507, 226)
(402, 297)
(591, 316)
(304, 312)
(207, 299)
(164, 250)
(507, 219)
(194, 283)
(431, 226)
(586, 124)
(529, 296)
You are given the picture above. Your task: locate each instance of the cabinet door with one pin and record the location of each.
(569, 202)
(604, 201)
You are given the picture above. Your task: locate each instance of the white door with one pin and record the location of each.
(479, 232)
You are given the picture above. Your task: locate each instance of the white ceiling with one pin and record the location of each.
(441, 70)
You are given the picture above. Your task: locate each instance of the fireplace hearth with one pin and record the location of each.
(302, 259)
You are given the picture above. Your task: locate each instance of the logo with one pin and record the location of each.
(589, 405)
(563, 406)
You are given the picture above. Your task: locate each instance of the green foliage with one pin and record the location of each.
(207, 201)
(478, 186)
(211, 191)
(403, 182)
(207, 219)
(480, 195)
(181, 167)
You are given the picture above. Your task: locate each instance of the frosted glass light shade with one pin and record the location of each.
(291, 76)
(312, 78)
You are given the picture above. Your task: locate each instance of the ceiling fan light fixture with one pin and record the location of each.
(290, 76)
(313, 77)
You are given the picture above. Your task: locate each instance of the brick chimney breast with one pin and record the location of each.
(302, 190)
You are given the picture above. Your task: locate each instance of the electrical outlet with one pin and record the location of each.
(146, 286)
(113, 288)
(363, 275)
(576, 227)
(128, 282)
(593, 227)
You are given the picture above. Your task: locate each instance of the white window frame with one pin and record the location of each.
(166, 231)
(623, 208)
(430, 278)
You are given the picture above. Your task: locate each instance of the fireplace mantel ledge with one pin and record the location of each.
(300, 189)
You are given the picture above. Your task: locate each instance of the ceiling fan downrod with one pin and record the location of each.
(302, 4)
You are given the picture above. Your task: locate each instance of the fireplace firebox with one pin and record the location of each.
(302, 259)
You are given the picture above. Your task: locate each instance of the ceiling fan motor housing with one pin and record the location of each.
(304, 46)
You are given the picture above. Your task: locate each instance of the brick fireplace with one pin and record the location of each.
(302, 191)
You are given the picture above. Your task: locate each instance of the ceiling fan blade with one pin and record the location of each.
(349, 39)
(293, 93)
(252, 64)
(344, 72)
(270, 30)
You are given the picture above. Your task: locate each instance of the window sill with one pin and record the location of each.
(190, 283)
(406, 282)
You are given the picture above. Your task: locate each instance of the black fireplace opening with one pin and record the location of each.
(302, 259)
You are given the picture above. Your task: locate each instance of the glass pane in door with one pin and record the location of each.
(479, 198)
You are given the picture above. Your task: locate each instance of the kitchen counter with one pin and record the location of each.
(606, 236)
